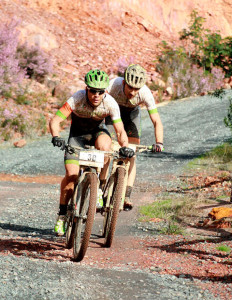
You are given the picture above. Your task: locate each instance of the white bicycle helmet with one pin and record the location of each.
(135, 76)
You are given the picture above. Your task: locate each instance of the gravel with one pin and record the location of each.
(24, 278)
(28, 213)
(191, 127)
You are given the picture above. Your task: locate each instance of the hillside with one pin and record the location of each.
(80, 35)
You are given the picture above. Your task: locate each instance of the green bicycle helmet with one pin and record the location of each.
(97, 79)
(135, 76)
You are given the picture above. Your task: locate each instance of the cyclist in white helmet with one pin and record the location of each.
(130, 92)
(87, 108)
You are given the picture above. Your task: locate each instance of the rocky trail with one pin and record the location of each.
(141, 264)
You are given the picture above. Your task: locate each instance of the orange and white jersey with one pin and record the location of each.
(79, 105)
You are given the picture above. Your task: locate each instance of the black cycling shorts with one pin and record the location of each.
(131, 119)
(80, 136)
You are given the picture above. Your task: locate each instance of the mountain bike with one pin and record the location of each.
(115, 189)
(82, 206)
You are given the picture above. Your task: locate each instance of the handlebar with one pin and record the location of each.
(113, 153)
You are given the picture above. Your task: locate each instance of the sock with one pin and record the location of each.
(63, 209)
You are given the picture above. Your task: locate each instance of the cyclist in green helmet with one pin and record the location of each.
(88, 109)
(130, 92)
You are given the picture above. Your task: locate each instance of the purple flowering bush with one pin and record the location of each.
(19, 61)
(184, 77)
(34, 61)
(19, 113)
(188, 80)
(19, 119)
(121, 64)
(10, 71)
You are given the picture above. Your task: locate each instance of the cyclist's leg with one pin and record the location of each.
(71, 171)
(132, 124)
(128, 204)
(103, 142)
(67, 186)
(132, 169)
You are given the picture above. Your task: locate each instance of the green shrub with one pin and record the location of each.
(207, 49)
(228, 118)
(200, 64)
(224, 248)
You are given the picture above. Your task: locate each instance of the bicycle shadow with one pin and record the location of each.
(32, 242)
(27, 230)
(96, 241)
(34, 248)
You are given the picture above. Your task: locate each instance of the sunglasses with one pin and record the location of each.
(93, 91)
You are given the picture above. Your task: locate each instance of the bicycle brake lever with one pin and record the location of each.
(70, 149)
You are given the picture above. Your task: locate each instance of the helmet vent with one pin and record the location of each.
(97, 79)
(135, 76)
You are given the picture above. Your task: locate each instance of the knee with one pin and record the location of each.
(104, 146)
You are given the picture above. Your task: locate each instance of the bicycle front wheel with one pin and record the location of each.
(112, 211)
(84, 222)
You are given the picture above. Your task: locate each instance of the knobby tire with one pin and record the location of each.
(83, 227)
(113, 210)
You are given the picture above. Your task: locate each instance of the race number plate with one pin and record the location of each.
(92, 157)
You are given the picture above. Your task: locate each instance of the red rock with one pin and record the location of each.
(20, 143)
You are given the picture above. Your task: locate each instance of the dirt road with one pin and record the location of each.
(34, 263)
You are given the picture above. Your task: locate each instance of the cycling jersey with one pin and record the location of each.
(87, 121)
(144, 96)
(78, 105)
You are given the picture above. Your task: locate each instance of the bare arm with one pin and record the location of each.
(121, 134)
(54, 125)
(158, 127)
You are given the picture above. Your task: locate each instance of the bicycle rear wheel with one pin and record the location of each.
(112, 212)
(84, 222)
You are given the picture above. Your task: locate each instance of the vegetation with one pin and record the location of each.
(18, 63)
(218, 159)
(121, 64)
(228, 118)
(207, 49)
(224, 248)
(180, 206)
(34, 61)
(200, 64)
